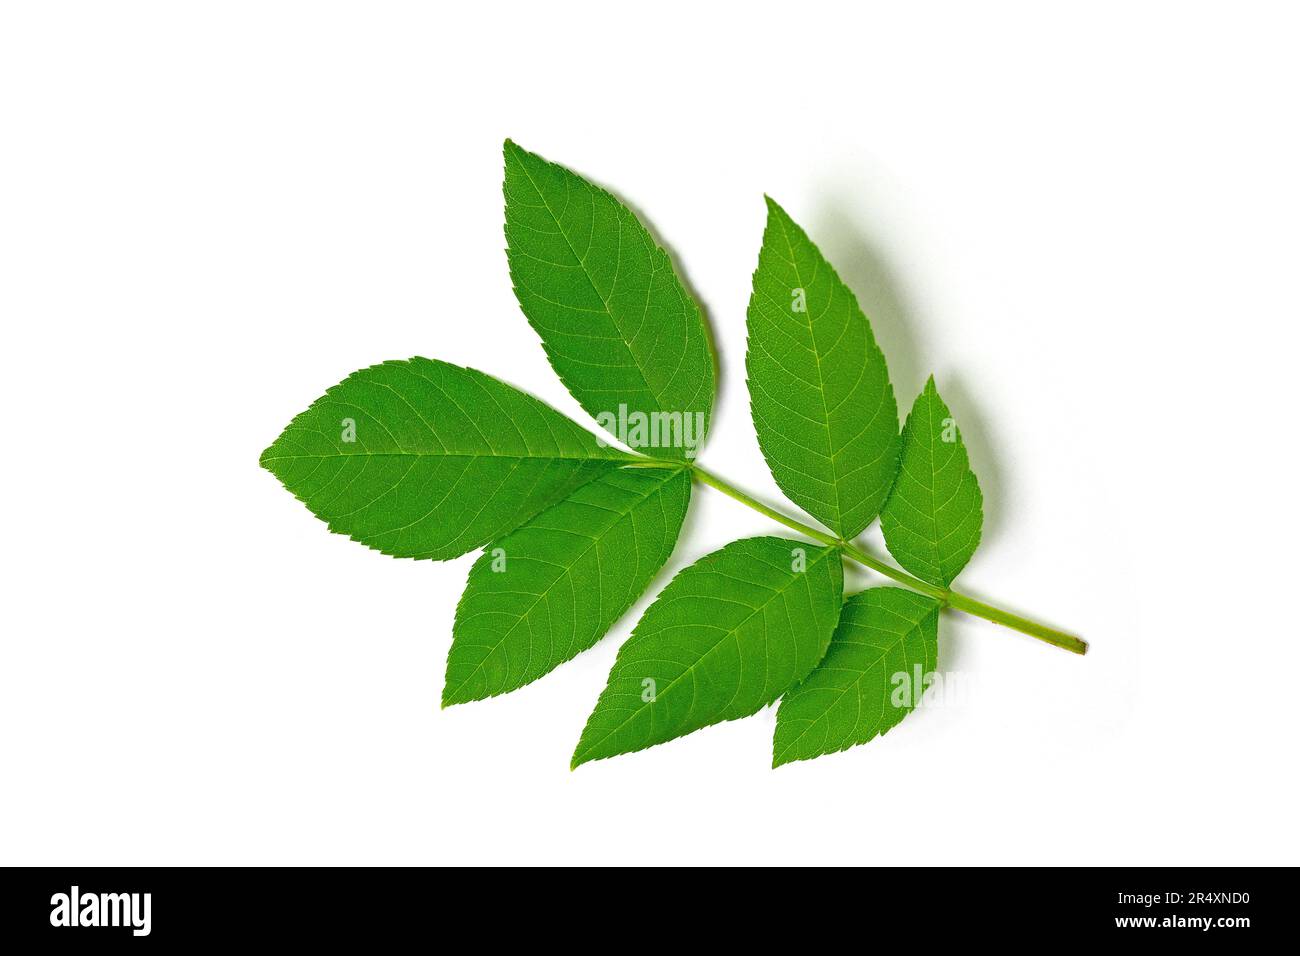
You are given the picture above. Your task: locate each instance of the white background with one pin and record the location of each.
(1085, 223)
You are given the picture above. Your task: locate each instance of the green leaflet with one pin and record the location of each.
(819, 389)
(550, 590)
(429, 460)
(422, 459)
(616, 323)
(933, 516)
(873, 675)
(727, 636)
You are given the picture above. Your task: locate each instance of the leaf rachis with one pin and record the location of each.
(425, 459)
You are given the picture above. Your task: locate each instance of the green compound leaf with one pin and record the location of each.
(933, 517)
(618, 327)
(727, 636)
(819, 390)
(550, 590)
(422, 459)
(873, 675)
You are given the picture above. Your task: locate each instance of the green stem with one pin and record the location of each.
(1052, 636)
(951, 598)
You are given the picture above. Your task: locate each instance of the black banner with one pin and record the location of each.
(134, 907)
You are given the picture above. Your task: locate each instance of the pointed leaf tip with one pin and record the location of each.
(543, 594)
(854, 694)
(935, 511)
(729, 635)
(819, 389)
(424, 459)
(616, 322)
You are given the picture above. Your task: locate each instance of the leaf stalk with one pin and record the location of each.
(950, 598)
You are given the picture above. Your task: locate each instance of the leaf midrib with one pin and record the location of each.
(568, 569)
(902, 637)
(731, 632)
(582, 263)
(821, 383)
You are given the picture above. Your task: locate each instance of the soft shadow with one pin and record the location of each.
(860, 263)
(980, 445)
(950, 647)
